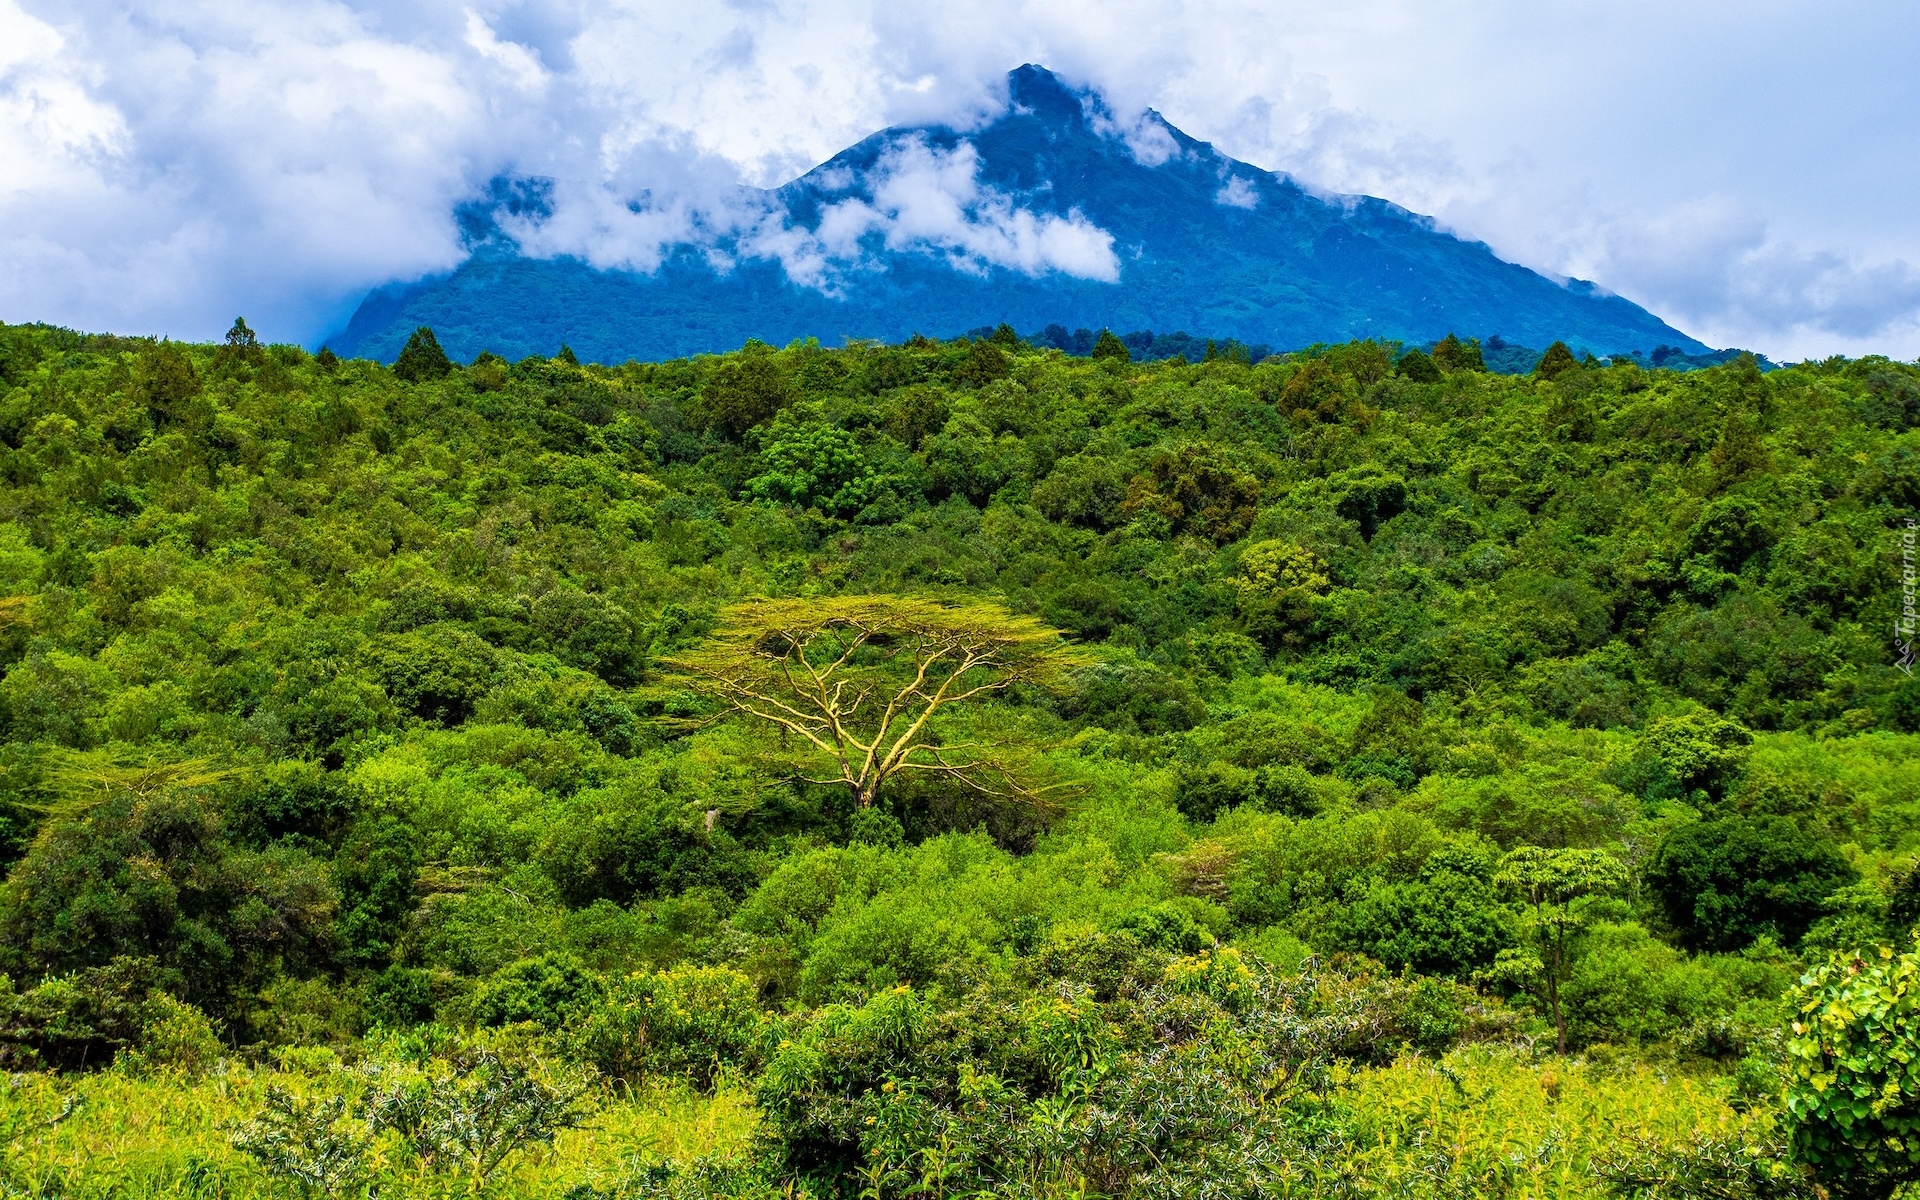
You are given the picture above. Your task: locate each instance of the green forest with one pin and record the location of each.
(955, 769)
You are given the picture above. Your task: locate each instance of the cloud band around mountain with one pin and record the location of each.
(164, 167)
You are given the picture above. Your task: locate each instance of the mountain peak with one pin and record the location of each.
(1058, 212)
(1034, 88)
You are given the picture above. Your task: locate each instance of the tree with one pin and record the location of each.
(422, 358)
(1553, 884)
(165, 380)
(985, 362)
(1556, 361)
(816, 465)
(745, 390)
(1415, 365)
(862, 680)
(1451, 354)
(1110, 346)
(241, 346)
(1724, 883)
(1199, 491)
(1699, 748)
(1275, 587)
(1853, 1086)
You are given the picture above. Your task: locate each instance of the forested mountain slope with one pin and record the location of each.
(1053, 213)
(339, 699)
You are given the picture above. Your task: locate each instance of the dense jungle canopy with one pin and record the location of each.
(1364, 729)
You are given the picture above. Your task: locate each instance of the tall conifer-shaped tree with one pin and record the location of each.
(1556, 361)
(422, 359)
(1110, 346)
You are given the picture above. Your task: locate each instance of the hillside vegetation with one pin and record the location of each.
(1355, 773)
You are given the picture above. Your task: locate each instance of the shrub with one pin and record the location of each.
(175, 1039)
(551, 991)
(1167, 926)
(1724, 883)
(1083, 489)
(1221, 975)
(473, 1118)
(399, 997)
(692, 1022)
(311, 1143)
(437, 673)
(84, 1019)
(1853, 1092)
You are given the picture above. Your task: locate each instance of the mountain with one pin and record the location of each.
(1055, 213)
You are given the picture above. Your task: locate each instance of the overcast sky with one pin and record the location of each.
(1749, 171)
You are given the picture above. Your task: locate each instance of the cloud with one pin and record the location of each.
(1238, 192)
(521, 64)
(927, 200)
(173, 174)
(1145, 133)
(1717, 265)
(165, 166)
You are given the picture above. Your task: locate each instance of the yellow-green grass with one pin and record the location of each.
(1479, 1121)
(1507, 1123)
(133, 1138)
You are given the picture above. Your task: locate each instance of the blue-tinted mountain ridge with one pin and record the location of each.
(1083, 223)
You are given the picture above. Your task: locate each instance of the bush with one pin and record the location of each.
(312, 1143)
(1446, 923)
(1700, 749)
(1083, 489)
(474, 1117)
(83, 1020)
(437, 673)
(691, 1022)
(744, 391)
(590, 632)
(1724, 883)
(156, 878)
(551, 991)
(175, 1039)
(1167, 926)
(399, 997)
(1853, 1096)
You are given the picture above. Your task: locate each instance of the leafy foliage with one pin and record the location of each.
(1296, 713)
(1851, 1076)
(312, 1144)
(810, 667)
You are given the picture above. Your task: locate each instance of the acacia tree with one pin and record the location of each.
(862, 680)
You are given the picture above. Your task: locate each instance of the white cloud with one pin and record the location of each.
(521, 64)
(1145, 133)
(164, 166)
(1238, 192)
(1716, 266)
(50, 128)
(928, 200)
